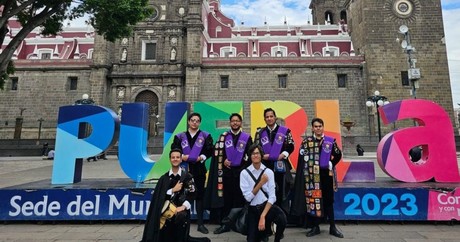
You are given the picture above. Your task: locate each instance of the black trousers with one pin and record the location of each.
(199, 186)
(328, 216)
(177, 228)
(233, 197)
(328, 199)
(274, 215)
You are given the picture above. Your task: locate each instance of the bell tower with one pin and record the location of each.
(328, 11)
(402, 41)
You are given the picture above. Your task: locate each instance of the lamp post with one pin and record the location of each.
(40, 121)
(82, 133)
(377, 101)
(18, 124)
(413, 73)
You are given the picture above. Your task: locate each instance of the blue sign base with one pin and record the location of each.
(122, 199)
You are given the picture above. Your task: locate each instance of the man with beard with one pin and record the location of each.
(277, 144)
(230, 157)
(196, 146)
(315, 180)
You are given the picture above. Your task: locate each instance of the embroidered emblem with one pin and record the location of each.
(228, 143)
(279, 139)
(327, 146)
(184, 143)
(199, 142)
(264, 140)
(240, 147)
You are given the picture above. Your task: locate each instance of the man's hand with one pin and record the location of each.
(180, 209)
(261, 223)
(177, 187)
(227, 163)
(281, 157)
(263, 179)
(184, 157)
(266, 157)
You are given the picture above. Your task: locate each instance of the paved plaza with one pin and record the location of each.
(20, 170)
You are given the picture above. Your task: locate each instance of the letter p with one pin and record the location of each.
(82, 131)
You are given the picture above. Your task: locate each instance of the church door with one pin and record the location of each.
(152, 99)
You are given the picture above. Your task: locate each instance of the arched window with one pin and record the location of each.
(330, 51)
(90, 53)
(45, 54)
(228, 51)
(218, 30)
(328, 16)
(343, 16)
(279, 51)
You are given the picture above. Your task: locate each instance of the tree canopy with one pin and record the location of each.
(110, 18)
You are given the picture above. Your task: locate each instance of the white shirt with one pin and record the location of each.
(51, 154)
(247, 185)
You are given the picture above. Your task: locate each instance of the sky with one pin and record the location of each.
(255, 12)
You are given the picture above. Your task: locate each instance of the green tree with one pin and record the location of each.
(110, 18)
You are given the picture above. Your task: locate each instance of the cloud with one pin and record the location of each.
(297, 12)
(255, 13)
(452, 35)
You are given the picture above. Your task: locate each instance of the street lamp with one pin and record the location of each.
(413, 73)
(377, 101)
(85, 100)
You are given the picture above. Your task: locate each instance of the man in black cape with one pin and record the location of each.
(277, 143)
(315, 181)
(223, 193)
(171, 223)
(196, 146)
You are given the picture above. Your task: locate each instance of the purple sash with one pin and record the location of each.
(274, 149)
(326, 150)
(195, 151)
(235, 154)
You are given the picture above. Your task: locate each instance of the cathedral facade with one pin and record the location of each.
(191, 51)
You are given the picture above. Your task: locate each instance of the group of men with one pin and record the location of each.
(243, 170)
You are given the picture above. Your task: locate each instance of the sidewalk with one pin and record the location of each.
(132, 231)
(20, 170)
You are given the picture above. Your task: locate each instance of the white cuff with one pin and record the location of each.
(203, 158)
(169, 192)
(330, 165)
(286, 154)
(187, 205)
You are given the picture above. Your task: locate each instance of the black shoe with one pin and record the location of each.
(314, 231)
(222, 229)
(335, 232)
(265, 239)
(202, 229)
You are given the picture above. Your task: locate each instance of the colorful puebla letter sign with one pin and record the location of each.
(71, 145)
